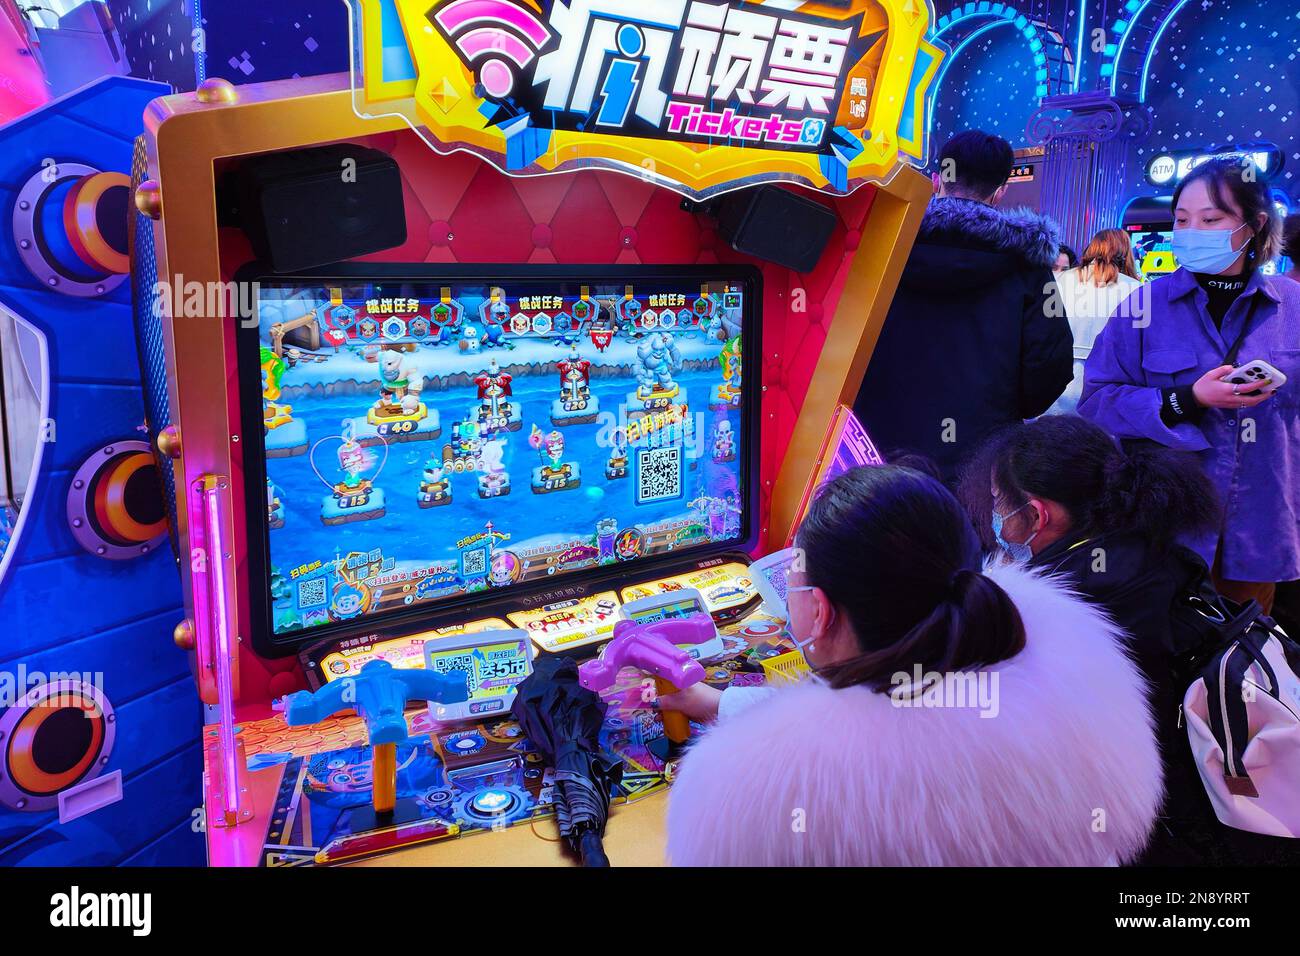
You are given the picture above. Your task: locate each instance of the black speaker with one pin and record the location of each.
(309, 207)
(775, 224)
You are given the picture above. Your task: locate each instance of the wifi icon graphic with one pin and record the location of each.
(497, 38)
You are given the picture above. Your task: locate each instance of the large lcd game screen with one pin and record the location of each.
(425, 439)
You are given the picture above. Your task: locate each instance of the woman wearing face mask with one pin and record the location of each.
(1068, 500)
(955, 717)
(1156, 372)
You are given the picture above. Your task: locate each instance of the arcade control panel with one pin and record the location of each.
(479, 773)
(572, 620)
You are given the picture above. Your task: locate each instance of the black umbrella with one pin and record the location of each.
(562, 720)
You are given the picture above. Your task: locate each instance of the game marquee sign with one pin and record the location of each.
(699, 96)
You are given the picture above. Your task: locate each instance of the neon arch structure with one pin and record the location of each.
(1135, 37)
(1053, 61)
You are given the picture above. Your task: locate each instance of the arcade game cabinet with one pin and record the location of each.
(1150, 227)
(453, 412)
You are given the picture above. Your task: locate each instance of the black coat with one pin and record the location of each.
(1137, 586)
(976, 335)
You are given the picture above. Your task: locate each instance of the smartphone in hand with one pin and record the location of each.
(1249, 373)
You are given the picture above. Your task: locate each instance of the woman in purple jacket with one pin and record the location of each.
(1156, 372)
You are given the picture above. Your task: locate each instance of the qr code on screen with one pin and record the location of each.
(475, 562)
(312, 593)
(659, 474)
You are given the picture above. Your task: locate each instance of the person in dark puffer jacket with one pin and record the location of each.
(976, 338)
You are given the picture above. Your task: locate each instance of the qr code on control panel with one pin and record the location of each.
(312, 593)
(659, 474)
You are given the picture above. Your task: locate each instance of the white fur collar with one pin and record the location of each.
(1066, 773)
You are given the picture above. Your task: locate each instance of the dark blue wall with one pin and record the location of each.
(244, 41)
(1230, 72)
(159, 39)
(1222, 71)
(989, 85)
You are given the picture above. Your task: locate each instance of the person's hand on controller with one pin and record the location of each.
(698, 702)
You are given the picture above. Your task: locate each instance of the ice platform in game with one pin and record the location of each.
(647, 403)
(287, 439)
(547, 480)
(494, 484)
(508, 417)
(724, 396)
(362, 506)
(435, 495)
(581, 411)
(424, 424)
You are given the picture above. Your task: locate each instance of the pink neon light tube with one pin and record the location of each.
(219, 618)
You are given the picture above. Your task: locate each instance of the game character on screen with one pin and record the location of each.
(494, 391)
(724, 442)
(274, 413)
(349, 601)
(554, 474)
(628, 310)
(729, 360)
(355, 497)
(400, 384)
(274, 505)
(466, 441)
(495, 480)
(470, 340)
(717, 329)
(354, 458)
(657, 358)
(616, 465)
(435, 485)
(575, 377)
(568, 330)
(495, 315)
(504, 569)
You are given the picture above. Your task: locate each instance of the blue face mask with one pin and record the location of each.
(1018, 551)
(1208, 251)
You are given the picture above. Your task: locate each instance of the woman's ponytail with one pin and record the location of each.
(1153, 492)
(1140, 487)
(895, 553)
(975, 623)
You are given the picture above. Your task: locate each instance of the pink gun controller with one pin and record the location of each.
(652, 648)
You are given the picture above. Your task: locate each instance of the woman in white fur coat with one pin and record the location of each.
(957, 718)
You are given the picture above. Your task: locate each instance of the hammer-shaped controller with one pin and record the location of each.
(653, 648)
(379, 694)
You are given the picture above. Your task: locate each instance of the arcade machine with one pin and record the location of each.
(453, 415)
(1150, 227)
